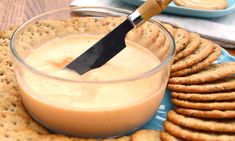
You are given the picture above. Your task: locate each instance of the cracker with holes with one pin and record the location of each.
(146, 135)
(29, 135)
(12, 104)
(181, 38)
(169, 28)
(159, 41)
(207, 114)
(212, 73)
(201, 65)
(204, 97)
(219, 86)
(203, 51)
(195, 135)
(222, 105)
(220, 126)
(12, 121)
(193, 44)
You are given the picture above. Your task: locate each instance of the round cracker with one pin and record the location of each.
(225, 96)
(168, 137)
(158, 47)
(203, 51)
(162, 52)
(212, 114)
(169, 28)
(195, 135)
(181, 39)
(193, 44)
(204, 105)
(146, 135)
(220, 126)
(201, 65)
(212, 73)
(224, 85)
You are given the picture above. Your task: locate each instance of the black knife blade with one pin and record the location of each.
(103, 50)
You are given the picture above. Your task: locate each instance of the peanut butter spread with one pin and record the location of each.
(203, 4)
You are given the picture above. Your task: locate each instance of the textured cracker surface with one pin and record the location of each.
(212, 73)
(199, 66)
(194, 135)
(223, 85)
(220, 126)
(193, 44)
(203, 51)
(224, 96)
(181, 39)
(208, 114)
(223, 105)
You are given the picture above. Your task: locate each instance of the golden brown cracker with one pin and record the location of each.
(7, 78)
(162, 52)
(150, 34)
(208, 114)
(201, 65)
(12, 121)
(228, 105)
(169, 28)
(12, 103)
(168, 137)
(195, 135)
(203, 51)
(223, 96)
(223, 85)
(29, 135)
(157, 46)
(220, 126)
(193, 44)
(146, 135)
(212, 73)
(21, 135)
(181, 39)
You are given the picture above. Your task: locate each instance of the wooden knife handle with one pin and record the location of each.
(152, 7)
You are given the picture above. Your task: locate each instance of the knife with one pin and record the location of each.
(114, 42)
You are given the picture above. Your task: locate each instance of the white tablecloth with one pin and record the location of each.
(221, 30)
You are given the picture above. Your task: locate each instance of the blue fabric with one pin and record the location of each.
(166, 105)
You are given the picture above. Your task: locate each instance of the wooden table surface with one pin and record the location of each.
(14, 12)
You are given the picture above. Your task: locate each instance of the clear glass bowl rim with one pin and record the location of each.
(118, 10)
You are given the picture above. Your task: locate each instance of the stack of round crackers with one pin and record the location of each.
(203, 93)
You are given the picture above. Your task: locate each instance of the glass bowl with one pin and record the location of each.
(107, 107)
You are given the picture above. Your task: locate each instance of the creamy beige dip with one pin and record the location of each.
(90, 109)
(203, 4)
